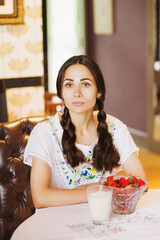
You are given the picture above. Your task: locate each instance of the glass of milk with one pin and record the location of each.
(99, 201)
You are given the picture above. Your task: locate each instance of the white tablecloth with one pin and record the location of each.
(74, 223)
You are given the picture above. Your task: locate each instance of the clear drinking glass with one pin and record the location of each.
(99, 201)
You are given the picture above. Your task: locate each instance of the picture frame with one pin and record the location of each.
(11, 12)
(103, 17)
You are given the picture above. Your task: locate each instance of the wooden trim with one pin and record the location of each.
(17, 17)
(45, 52)
(21, 82)
(3, 107)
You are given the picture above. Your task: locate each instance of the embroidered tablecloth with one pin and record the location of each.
(74, 223)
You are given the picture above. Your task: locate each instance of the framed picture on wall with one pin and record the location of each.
(11, 12)
(103, 17)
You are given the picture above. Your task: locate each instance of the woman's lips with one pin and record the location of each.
(78, 104)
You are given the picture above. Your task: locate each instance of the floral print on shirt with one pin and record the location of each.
(84, 172)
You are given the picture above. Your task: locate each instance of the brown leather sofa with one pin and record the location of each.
(15, 197)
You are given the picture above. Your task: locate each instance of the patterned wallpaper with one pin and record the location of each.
(26, 101)
(21, 55)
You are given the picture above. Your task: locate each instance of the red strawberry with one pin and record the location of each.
(123, 182)
(114, 184)
(132, 179)
(105, 184)
(109, 178)
(110, 182)
(140, 182)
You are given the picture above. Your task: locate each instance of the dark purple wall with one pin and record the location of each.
(122, 58)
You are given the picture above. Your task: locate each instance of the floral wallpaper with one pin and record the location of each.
(21, 55)
(26, 101)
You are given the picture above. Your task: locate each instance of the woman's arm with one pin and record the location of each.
(43, 196)
(133, 166)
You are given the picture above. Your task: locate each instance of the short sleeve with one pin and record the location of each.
(124, 142)
(38, 145)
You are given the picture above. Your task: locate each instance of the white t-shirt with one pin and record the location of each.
(45, 143)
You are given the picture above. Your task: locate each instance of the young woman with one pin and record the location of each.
(76, 148)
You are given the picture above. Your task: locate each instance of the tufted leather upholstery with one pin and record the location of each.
(15, 197)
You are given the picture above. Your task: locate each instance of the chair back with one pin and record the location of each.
(15, 196)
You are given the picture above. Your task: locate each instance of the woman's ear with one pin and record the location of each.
(98, 95)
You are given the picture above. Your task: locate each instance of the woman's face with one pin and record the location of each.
(79, 90)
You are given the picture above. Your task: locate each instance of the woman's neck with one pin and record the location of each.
(86, 128)
(82, 120)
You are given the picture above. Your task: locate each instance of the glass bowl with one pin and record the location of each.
(124, 200)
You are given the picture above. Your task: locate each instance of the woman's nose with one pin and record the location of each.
(77, 92)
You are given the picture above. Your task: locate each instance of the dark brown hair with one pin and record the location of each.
(105, 155)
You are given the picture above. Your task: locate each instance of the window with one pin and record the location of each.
(65, 34)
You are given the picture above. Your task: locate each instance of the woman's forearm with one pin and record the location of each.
(59, 197)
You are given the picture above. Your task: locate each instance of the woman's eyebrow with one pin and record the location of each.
(72, 80)
(84, 79)
(68, 79)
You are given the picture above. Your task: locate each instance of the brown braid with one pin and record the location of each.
(73, 155)
(105, 155)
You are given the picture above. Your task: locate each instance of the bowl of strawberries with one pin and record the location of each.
(127, 191)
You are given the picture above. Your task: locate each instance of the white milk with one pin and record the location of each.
(100, 205)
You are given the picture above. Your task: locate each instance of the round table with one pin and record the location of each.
(73, 223)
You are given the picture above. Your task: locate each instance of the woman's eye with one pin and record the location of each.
(86, 84)
(68, 85)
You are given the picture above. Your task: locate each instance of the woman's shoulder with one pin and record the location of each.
(113, 120)
(115, 125)
(50, 124)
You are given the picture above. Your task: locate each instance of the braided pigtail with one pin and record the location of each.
(73, 155)
(105, 155)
